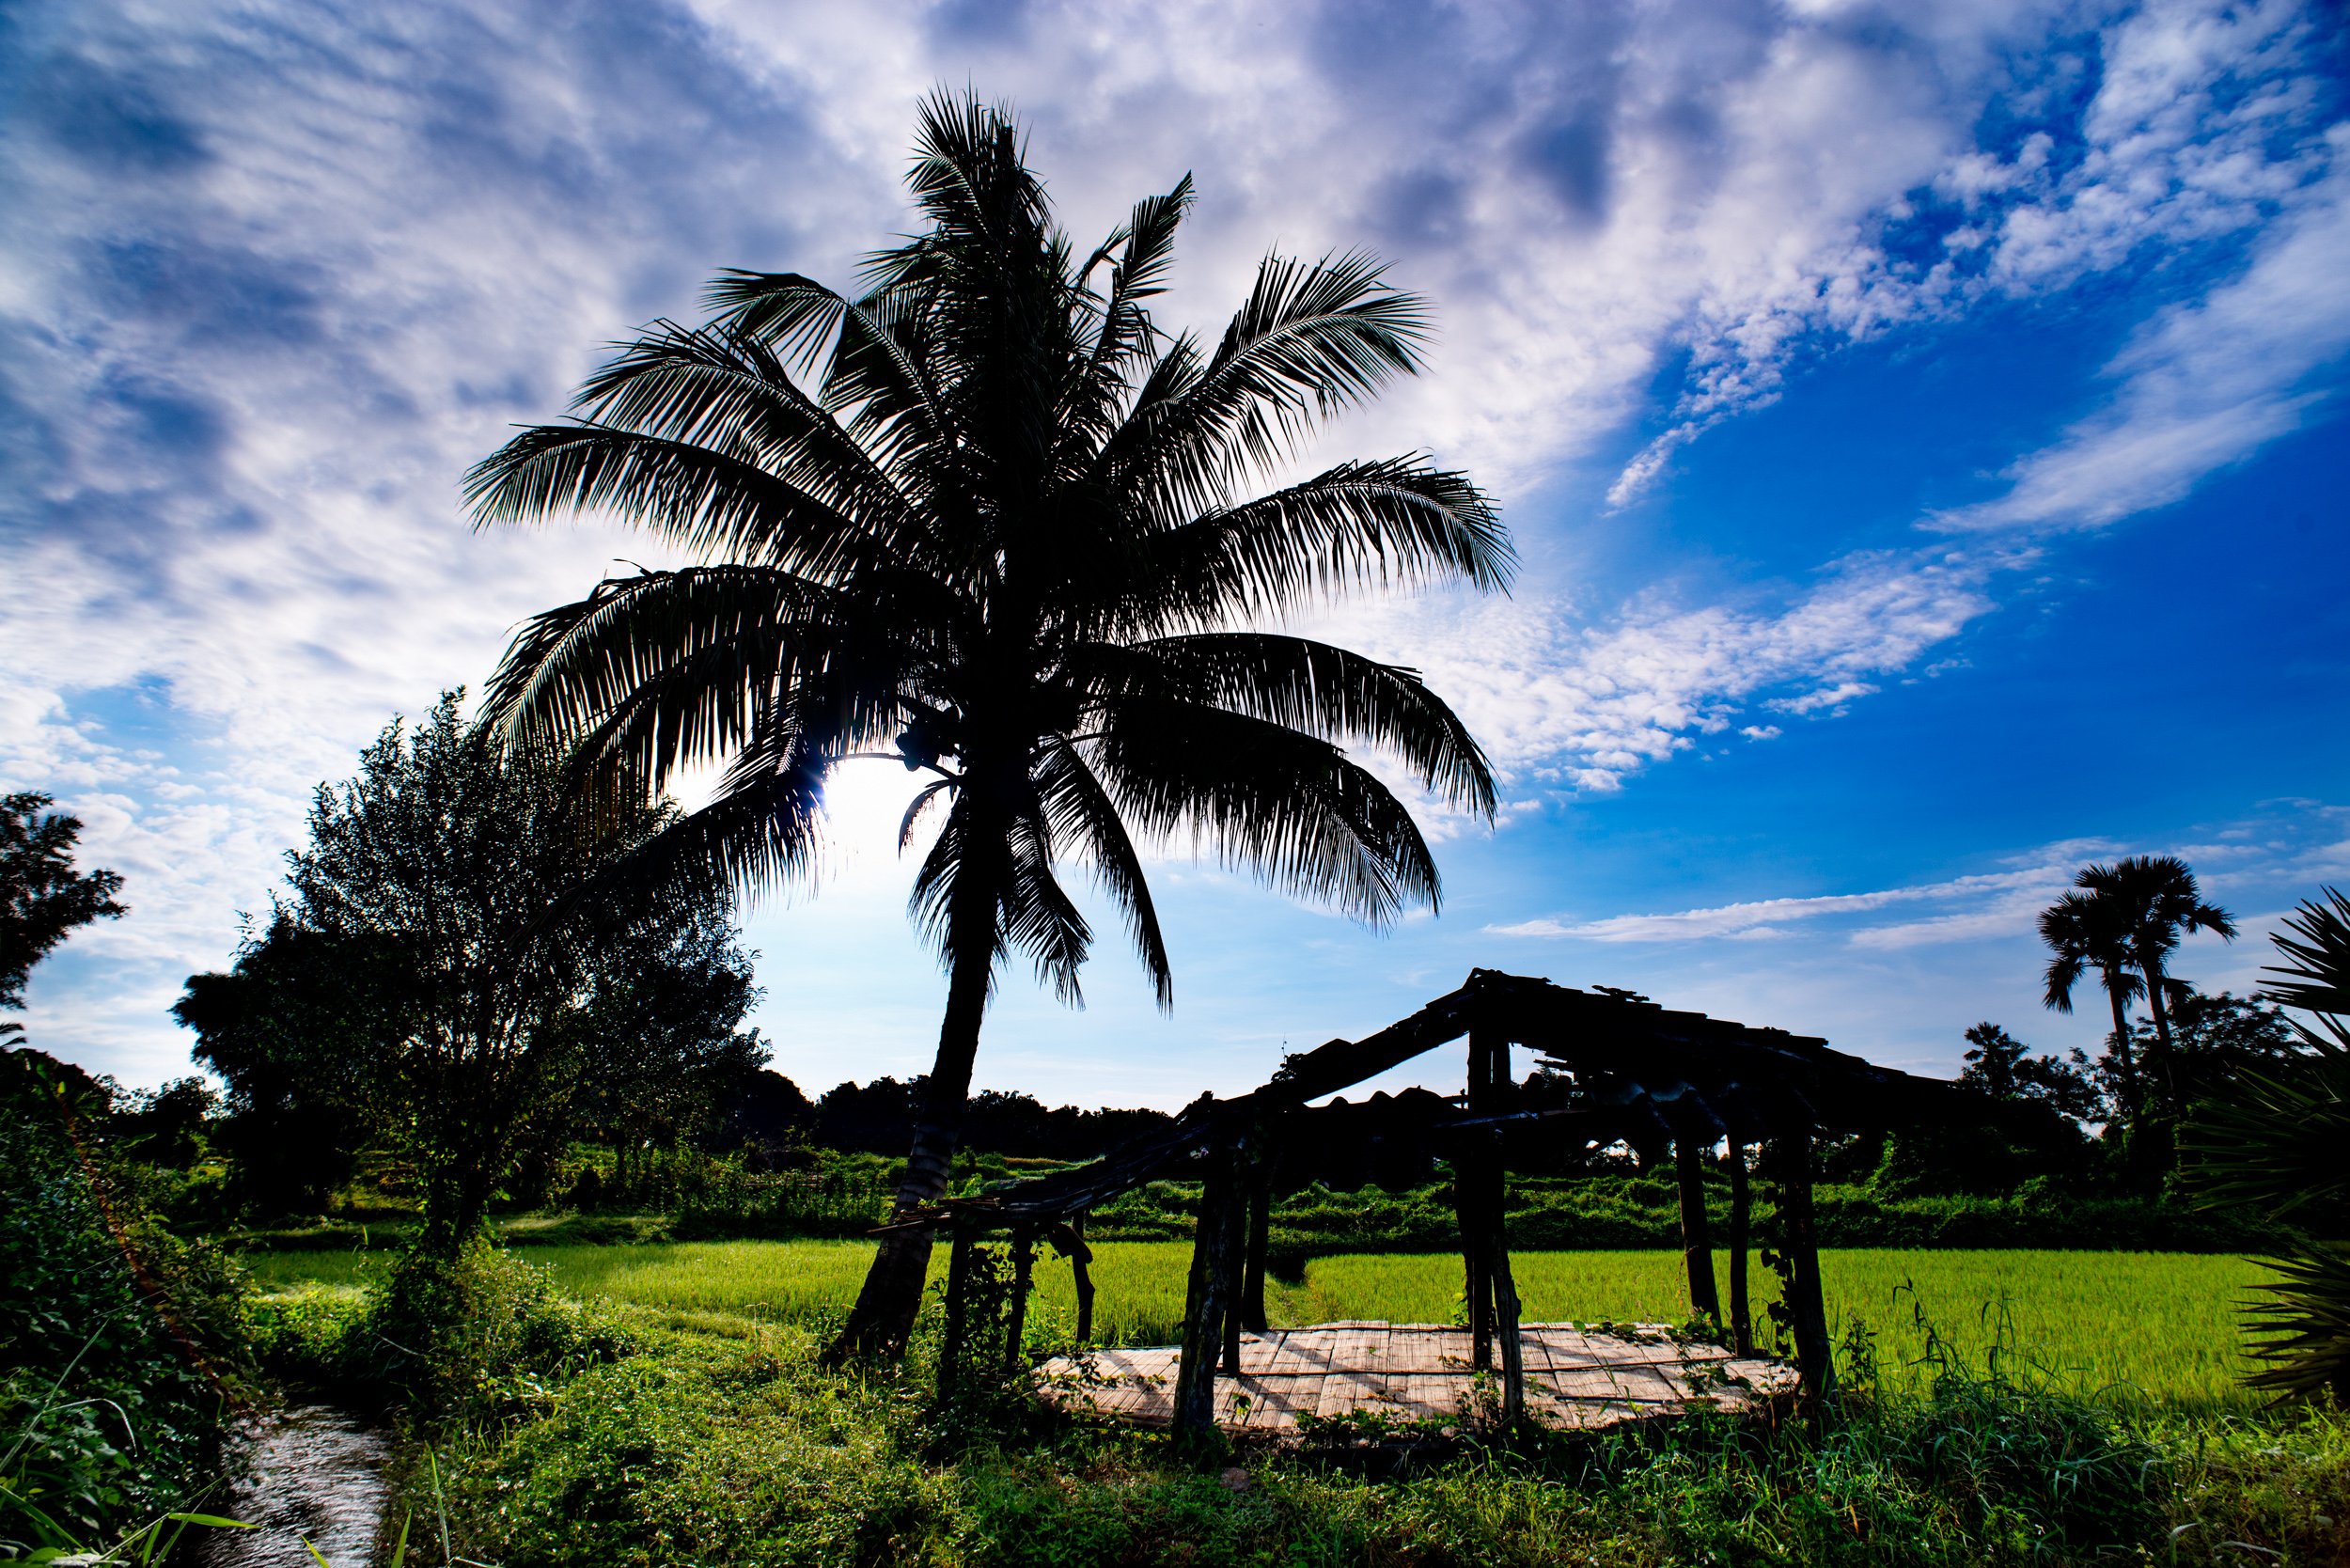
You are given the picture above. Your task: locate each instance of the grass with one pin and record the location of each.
(2163, 1323)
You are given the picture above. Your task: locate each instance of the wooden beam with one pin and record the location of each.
(1697, 1250)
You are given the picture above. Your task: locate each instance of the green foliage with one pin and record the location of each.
(42, 898)
(2273, 1139)
(478, 1338)
(438, 973)
(2164, 1324)
(118, 1342)
(712, 1449)
(724, 1444)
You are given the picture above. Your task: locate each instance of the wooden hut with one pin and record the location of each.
(1638, 1072)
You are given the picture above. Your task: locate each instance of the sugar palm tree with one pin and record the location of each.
(2082, 935)
(986, 518)
(2153, 900)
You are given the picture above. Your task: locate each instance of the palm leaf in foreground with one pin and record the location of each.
(2275, 1143)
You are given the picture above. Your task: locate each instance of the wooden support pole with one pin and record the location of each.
(1697, 1250)
(1205, 1302)
(1016, 1328)
(1505, 1307)
(1235, 1248)
(1807, 1308)
(1260, 1233)
(1080, 1264)
(1741, 1221)
(958, 1304)
(1468, 1211)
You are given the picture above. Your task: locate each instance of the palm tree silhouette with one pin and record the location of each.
(2082, 936)
(2152, 901)
(987, 515)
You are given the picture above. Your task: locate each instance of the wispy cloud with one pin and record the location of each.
(2204, 386)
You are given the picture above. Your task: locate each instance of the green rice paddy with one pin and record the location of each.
(2163, 1324)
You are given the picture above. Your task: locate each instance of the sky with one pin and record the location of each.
(1921, 425)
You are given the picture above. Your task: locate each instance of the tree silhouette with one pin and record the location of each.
(2152, 901)
(985, 514)
(2083, 934)
(42, 898)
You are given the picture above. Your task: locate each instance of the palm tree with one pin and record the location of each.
(2152, 901)
(987, 515)
(2081, 937)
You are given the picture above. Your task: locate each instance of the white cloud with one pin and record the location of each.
(276, 274)
(2205, 385)
(2204, 123)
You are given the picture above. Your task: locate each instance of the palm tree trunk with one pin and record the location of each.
(2152, 967)
(2122, 1048)
(886, 1304)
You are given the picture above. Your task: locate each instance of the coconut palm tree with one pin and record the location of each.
(2081, 937)
(986, 518)
(2152, 901)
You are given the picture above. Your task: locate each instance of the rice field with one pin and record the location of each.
(2164, 1324)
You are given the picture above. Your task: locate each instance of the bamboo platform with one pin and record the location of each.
(1418, 1373)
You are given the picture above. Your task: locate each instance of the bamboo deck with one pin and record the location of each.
(1417, 1371)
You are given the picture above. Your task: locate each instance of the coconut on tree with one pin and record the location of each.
(984, 516)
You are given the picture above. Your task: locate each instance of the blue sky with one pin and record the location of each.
(1922, 427)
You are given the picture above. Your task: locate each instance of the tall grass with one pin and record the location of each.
(2163, 1323)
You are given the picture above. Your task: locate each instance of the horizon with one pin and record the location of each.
(1923, 441)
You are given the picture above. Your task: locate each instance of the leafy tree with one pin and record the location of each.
(2152, 901)
(2272, 1139)
(441, 894)
(985, 518)
(42, 898)
(2216, 1039)
(297, 1029)
(2005, 1068)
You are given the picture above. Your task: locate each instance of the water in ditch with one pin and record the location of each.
(309, 1472)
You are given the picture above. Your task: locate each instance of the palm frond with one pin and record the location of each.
(2304, 1329)
(1290, 808)
(710, 503)
(1394, 523)
(1077, 805)
(2317, 973)
(1311, 337)
(1308, 686)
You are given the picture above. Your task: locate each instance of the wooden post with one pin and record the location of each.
(958, 1304)
(1205, 1299)
(1807, 1308)
(1023, 1266)
(1080, 1264)
(1697, 1251)
(1235, 1248)
(1260, 1230)
(1477, 1197)
(1469, 1213)
(1506, 1307)
(1741, 1312)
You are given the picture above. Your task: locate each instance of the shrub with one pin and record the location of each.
(481, 1339)
(118, 1343)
